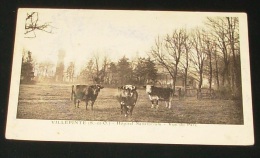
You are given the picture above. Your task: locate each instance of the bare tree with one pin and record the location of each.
(184, 61)
(226, 34)
(233, 39)
(216, 59)
(175, 47)
(96, 61)
(168, 53)
(210, 50)
(160, 55)
(100, 67)
(32, 25)
(198, 56)
(219, 31)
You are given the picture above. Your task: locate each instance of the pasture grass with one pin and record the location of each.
(52, 102)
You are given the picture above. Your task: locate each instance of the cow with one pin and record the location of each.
(85, 93)
(158, 93)
(127, 97)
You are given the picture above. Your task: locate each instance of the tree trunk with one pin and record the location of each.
(217, 70)
(185, 80)
(200, 81)
(174, 81)
(210, 72)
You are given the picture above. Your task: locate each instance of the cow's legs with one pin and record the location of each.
(86, 104)
(170, 105)
(92, 103)
(131, 109)
(170, 102)
(152, 100)
(152, 103)
(121, 107)
(122, 104)
(75, 102)
(157, 104)
(78, 103)
(166, 104)
(125, 109)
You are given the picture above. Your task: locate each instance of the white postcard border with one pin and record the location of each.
(132, 132)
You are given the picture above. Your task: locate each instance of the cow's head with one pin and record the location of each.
(148, 88)
(127, 90)
(96, 88)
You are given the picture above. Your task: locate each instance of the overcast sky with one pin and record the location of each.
(82, 33)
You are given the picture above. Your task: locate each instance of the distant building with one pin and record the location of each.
(165, 79)
(60, 66)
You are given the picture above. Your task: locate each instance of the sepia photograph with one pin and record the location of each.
(131, 76)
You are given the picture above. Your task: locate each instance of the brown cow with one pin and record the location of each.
(85, 93)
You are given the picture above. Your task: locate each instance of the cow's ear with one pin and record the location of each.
(101, 87)
(135, 87)
(144, 86)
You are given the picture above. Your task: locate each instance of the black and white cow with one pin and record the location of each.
(85, 93)
(127, 97)
(158, 93)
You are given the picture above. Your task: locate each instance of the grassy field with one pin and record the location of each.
(52, 102)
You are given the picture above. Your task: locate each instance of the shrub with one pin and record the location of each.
(224, 93)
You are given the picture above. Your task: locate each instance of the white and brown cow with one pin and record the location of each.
(127, 97)
(158, 93)
(85, 93)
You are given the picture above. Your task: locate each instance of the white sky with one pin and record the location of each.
(82, 33)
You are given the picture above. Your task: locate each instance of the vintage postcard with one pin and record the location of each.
(131, 76)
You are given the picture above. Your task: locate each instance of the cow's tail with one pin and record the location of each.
(72, 92)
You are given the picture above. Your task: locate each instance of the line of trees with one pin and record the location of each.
(210, 51)
(123, 71)
(137, 71)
